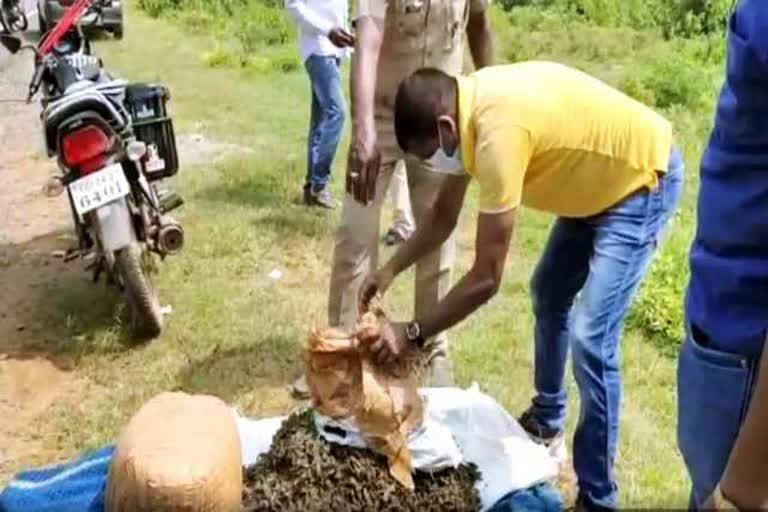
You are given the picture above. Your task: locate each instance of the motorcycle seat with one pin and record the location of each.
(78, 102)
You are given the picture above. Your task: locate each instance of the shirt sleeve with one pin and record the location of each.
(306, 18)
(373, 8)
(479, 5)
(502, 154)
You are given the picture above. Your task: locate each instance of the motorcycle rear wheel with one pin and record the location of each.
(146, 317)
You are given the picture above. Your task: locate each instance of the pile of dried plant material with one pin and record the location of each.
(304, 472)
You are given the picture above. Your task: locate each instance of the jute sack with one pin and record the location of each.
(178, 453)
(345, 381)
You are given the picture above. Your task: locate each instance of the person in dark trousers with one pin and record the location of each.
(324, 41)
(722, 371)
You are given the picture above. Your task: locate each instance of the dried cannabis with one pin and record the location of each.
(303, 472)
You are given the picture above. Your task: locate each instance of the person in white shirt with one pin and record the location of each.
(403, 224)
(324, 40)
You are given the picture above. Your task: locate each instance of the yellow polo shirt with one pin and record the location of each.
(552, 138)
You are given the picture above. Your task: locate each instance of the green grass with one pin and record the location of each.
(235, 332)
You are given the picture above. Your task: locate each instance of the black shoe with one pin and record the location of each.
(307, 194)
(538, 432)
(322, 198)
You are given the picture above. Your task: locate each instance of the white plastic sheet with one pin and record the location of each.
(492, 439)
(432, 445)
(471, 421)
(256, 436)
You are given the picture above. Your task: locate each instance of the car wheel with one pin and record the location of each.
(118, 32)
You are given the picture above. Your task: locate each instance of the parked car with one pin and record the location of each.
(106, 15)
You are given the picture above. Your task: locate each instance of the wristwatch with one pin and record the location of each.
(413, 332)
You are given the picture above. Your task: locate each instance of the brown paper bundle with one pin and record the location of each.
(178, 453)
(344, 380)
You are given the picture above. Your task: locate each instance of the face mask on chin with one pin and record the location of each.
(443, 162)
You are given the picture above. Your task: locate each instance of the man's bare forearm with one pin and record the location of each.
(471, 292)
(481, 282)
(745, 481)
(480, 39)
(365, 61)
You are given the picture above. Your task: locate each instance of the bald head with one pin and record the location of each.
(421, 99)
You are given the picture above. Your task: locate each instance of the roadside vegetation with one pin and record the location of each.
(236, 78)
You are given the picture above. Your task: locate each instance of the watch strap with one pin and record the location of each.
(413, 331)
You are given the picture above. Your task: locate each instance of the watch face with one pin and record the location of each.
(412, 330)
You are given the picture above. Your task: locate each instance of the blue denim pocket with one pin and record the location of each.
(713, 393)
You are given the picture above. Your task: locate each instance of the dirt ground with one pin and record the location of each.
(32, 228)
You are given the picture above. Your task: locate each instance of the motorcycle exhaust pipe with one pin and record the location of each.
(170, 237)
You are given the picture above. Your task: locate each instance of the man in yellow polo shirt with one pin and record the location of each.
(545, 136)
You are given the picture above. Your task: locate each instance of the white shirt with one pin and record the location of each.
(316, 18)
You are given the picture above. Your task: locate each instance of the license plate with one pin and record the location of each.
(99, 188)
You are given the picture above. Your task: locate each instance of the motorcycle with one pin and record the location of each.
(12, 16)
(114, 143)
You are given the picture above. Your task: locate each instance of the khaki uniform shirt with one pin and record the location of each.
(417, 34)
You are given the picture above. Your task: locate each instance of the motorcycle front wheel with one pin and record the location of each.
(146, 317)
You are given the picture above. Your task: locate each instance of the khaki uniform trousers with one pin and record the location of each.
(356, 253)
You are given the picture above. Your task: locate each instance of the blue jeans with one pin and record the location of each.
(581, 289)
(713, 392)
(327, 118)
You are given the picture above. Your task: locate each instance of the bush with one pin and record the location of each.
(658, 309)
(272, 60)
(509, 4)
(284, 59)
(259, 64)
(218, 58)
(635, 86)
(673, 17)
(250, 34)
(261, 26)
(157, 7)
(690, 17)
(199, 20)
(674, 78)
